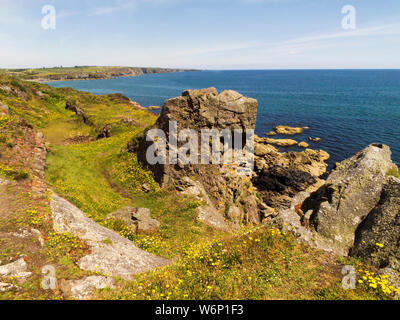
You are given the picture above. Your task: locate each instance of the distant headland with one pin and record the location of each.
(85, 72)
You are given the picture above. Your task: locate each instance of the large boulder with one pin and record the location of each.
(351, 191)
(377, 238)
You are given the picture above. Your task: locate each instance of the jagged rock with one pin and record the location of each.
(286, 130)
(4, 110)
(279, 176)
(138, 219)
(381, 227)
(271, 133)
(111, 254)
(4, 287)
(351, 191)
(209, 215)
(303, 144)
(83, 288)
(206, 213)
(17, 269)
(279, 184)
(206, 109)
(289, 220)
(314, 139)
(261, 149)
(281, 142)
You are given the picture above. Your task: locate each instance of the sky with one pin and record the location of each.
(203, 34)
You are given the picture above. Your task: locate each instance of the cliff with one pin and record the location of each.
(85, 73)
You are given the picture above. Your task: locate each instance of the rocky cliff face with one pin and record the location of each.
(229, 195)
(377, 238)
(226, 194)
(280, 176)
(351, 191)
(109, 74)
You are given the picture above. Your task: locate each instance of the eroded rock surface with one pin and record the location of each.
(111, 253)
(230, 195)
(4, 287)
(82, 289)
(351, 191)
(18, 268)
(377, 238)
(280, 176)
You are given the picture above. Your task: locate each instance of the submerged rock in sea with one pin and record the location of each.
(314, 139)
(281, 142)
(286, 130)
(303, 145)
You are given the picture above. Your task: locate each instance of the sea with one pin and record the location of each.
(348, 109)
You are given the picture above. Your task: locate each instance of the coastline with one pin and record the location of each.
(87, 73)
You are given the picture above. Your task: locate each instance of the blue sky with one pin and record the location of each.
(206, 34)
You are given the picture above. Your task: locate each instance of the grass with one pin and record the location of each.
(262, 265)
(99, 176)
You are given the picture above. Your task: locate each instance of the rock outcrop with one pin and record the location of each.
(82, 289)
(280, 176)
(18, 268)
(230, 194)
(229, 198)
(377, 238)
(111, 254)
(351, 191)
(138, 219)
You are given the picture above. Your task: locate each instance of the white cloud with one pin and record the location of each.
(392, 29)
(125, 5)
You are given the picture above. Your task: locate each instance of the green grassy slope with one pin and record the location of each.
(99, 176)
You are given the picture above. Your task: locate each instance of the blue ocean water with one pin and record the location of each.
(348, 109)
